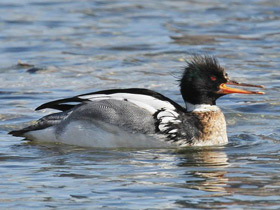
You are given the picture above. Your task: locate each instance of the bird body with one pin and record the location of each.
(140, 117)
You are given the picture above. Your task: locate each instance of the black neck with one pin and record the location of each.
(196, 97)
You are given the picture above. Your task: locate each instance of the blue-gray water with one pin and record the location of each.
(82, 46)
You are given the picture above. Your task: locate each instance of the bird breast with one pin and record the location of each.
(213, 128)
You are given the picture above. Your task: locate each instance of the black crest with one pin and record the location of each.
(201, 66)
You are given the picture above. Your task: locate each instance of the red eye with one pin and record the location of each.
(213, 78)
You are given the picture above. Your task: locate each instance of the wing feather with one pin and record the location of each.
(144, 98)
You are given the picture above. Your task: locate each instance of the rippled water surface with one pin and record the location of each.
(59, 48)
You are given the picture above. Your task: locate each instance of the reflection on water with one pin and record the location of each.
(212, 176)
(56, 49)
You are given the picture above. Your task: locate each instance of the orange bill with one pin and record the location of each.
(228, 90)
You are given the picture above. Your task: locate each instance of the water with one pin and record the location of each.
(81, 46)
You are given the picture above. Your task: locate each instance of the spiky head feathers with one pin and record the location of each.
(201, 79)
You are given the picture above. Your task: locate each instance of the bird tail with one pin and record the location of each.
(44, 122)
(21, 132)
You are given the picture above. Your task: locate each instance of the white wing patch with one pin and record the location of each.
(149, 103)
(173, 131)
(165, 117)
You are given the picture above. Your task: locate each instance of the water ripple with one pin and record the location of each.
(56, 49)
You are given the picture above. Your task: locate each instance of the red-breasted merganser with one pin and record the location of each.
(140, 117)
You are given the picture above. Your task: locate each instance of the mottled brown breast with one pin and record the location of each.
(212, 128)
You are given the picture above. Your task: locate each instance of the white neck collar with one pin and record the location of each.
(201, 107)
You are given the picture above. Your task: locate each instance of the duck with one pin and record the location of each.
(141, 118)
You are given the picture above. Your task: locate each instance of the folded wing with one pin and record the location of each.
(146, 99)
